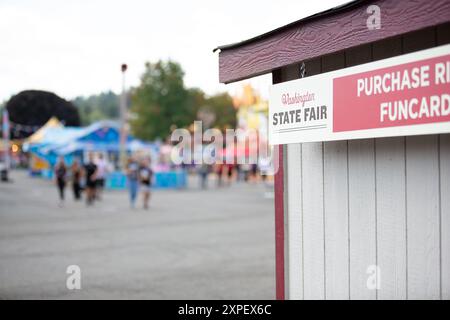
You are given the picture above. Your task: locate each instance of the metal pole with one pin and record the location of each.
(6, 133)
(123, 122)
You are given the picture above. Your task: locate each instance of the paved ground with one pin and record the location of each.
(191, 244)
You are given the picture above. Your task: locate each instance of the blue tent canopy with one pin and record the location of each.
(75, 146)
(102, 136)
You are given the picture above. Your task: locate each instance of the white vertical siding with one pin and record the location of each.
(444, 162)
(362, 219)
(352, 204)
(422, 205)
(313, 223)
(391, 217)
(295, 227)
(336, 220)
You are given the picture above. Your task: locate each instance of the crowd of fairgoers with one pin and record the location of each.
(89, 175)
(91, 159)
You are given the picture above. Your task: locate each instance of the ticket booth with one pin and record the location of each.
(359, 112)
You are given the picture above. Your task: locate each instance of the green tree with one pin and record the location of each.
(97, 107)
(197, 100)
(221, 105)
(161, 101)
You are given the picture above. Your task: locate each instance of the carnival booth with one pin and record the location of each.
(38, 163)
(54, 141)
(362, 191)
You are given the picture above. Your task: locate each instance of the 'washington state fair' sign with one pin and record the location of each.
(400, 96)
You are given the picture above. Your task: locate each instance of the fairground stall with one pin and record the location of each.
(360, 114)
(54, 140)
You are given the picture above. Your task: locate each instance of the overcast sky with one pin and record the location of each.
(76, 47)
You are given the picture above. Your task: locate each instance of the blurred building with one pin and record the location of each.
(252, 111)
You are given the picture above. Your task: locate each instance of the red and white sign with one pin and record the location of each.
(400, 96)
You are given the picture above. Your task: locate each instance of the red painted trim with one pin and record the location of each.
(328, 33)
(279, 227)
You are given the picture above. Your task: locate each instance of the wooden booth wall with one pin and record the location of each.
(353, 204)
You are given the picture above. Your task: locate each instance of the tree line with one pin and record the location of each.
(160, 103)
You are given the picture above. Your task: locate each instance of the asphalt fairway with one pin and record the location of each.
(190, 244)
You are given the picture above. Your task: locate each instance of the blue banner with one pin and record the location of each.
(5, 125)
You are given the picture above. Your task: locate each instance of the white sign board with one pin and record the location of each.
(399, 96)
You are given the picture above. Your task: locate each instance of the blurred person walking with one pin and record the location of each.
(254, 172)
(203, 172)
(133, 180)
(91, 179)
(102, 170)
(219, 172)
(245, 168)
(60, 178)
(230, 171)
(77, 173)
(146, 175)
(239, 173)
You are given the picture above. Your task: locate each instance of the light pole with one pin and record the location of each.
(123, 121)
(6, 133)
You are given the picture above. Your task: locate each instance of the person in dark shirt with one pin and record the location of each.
(145, 175)
(219, 172)
(60, 178)
(230, 171)
(91, 180)
(77, 173)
